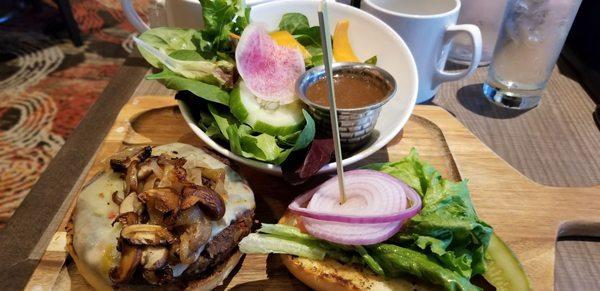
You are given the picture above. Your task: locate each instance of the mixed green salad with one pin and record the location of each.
(225, 88)
(445, 244)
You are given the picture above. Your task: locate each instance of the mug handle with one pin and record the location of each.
(133, 17)
(474, 34)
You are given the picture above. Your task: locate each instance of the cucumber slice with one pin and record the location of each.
(283, 120)
(503, 269)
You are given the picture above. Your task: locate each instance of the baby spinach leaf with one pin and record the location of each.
(166, 40)
(307, 134)
(186, 55)
(223, 118)
(309, 36)
(293, 22)
(203, 90)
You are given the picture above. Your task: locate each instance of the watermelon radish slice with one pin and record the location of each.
(270, 71)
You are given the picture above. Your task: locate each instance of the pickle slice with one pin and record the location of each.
(504, 270)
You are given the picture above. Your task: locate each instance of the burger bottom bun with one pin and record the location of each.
(216, 278)
(331, 275)
(218, 275)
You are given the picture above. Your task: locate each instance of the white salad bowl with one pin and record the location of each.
(369, 36)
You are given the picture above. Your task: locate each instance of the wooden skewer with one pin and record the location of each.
(327, 60)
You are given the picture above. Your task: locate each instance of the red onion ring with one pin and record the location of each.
(381, 198)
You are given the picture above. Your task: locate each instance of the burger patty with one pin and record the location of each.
(221, 247)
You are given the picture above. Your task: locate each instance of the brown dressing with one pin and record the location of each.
(351, 91)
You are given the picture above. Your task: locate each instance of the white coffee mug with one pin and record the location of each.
(427, 27)
(180, 13)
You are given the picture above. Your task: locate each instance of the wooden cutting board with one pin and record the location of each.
(526, 215)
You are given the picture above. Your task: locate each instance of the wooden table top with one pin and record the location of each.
(555, 144)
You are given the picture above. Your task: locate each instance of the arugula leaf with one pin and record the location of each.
(203, 90)
(221, 17)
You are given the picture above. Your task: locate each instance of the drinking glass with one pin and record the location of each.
(487, 15)
(529, 43)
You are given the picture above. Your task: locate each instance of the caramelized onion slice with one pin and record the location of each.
(127, 218)
(218, 177)
(147, 234)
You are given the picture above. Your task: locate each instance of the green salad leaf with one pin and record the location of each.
(370, 261)
(203, 90)
(221, 17)
(179, 56)
(444, 244)
(309, 36)
(262, 147)
(199, 55)
(294, 22)
(447, 226)
(246, 142)
(223, 119)
(403, 260)
(307, 134)
(166, 40)
(372, 60)
(316, 56)
(270, 244)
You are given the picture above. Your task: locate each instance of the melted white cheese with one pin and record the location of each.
(95, 239)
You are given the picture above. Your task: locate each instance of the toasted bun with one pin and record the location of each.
(92, 237)
(330, 275)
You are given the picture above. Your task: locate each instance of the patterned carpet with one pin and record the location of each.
(47, 84)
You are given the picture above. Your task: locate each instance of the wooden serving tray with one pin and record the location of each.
(526, 215)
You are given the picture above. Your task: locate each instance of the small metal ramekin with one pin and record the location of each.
(355, 124)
